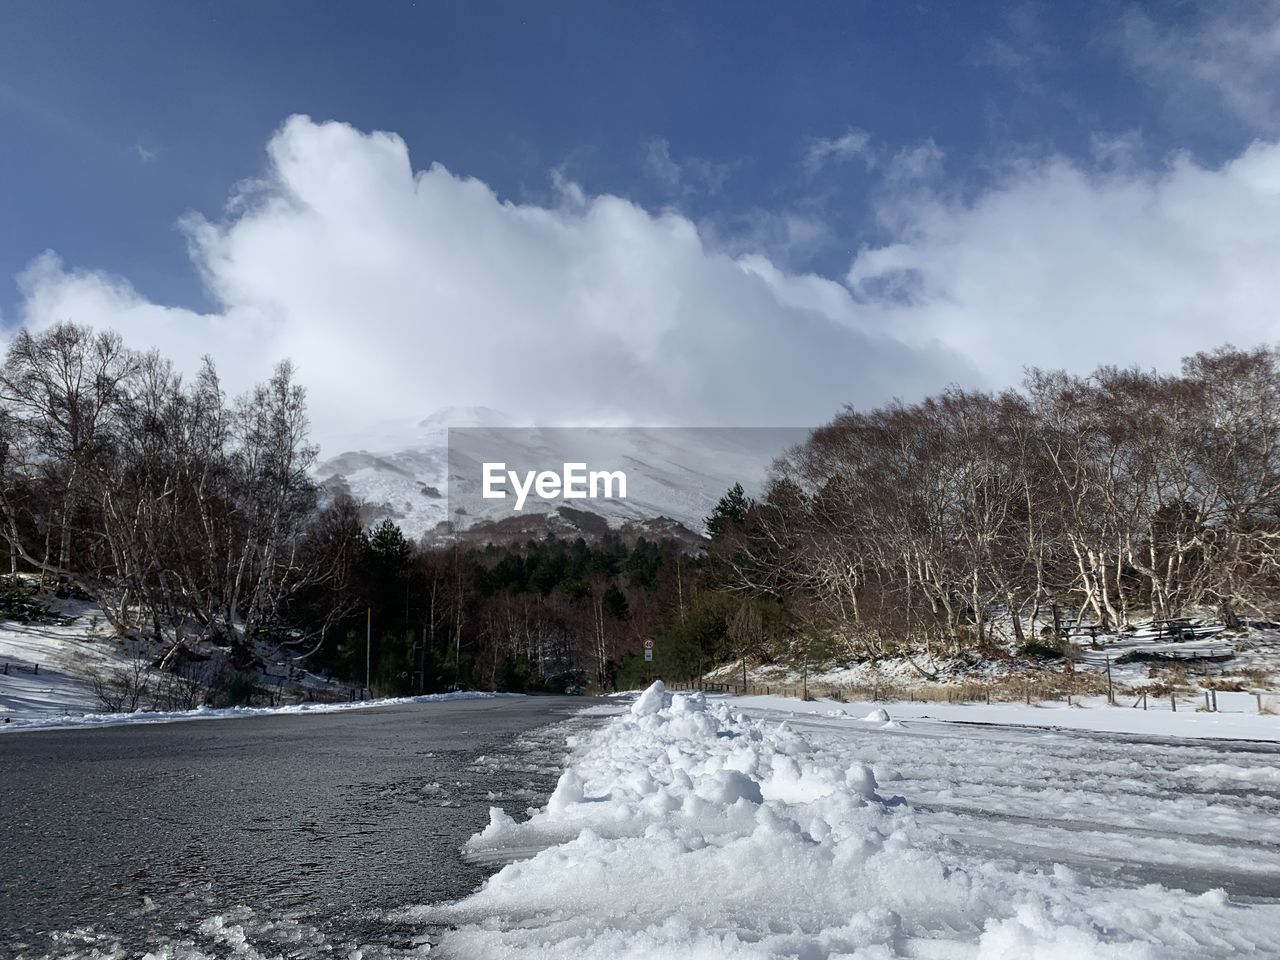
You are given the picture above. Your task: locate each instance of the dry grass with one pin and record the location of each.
(1257, 677)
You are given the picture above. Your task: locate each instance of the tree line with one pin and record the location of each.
(191, 518)
(553, 614)
(179, 510)
(1097, 499)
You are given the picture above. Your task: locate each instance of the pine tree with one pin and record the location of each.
(615, 604)
(390, 549)
(729, 513)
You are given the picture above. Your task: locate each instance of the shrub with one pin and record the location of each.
(19, 603)
(123, 689)
(1046, 648)
(234, 688)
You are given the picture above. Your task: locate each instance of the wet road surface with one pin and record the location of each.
(295, 830)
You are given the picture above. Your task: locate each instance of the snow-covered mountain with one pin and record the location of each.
(430, 471)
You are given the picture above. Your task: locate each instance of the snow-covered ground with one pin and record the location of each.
(1200, 643)
(1245, 660)
(701, 829)
(46, 668)
(1237, 716)
(81, 721)
(714, 827)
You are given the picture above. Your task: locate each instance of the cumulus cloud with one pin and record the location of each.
(1059, 266)
(398, 291)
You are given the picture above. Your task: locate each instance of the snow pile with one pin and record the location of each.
(682, 828)
(224, 713)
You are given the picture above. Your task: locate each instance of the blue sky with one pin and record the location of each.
(117, 117)
(798, 133)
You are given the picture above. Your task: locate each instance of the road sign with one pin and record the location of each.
(648, 655)
(648, 644)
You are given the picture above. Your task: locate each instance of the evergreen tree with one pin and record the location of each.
(730, 513)
(389, 549)
(615, 604)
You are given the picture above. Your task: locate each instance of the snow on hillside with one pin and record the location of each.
(415, 480)
(71, 721)
(46, 668)
(400, 470)
(686, 828)
(1244, 661)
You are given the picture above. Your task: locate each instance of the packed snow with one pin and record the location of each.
(685, 827)
(1237, 716)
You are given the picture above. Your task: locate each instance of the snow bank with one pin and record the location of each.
(1238, 719)
(223, 713)
(684, 829)
(651, 701)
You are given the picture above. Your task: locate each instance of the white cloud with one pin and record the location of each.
(822, 152)
(920, 162)
(684, 177)
(1060, 267)
(1120, 151)
(397, 292)
(1019, 42)
(1229, 52)
(788, 236)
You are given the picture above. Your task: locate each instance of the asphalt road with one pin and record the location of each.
(128, 837)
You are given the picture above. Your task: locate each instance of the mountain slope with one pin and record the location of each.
(672, 472)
